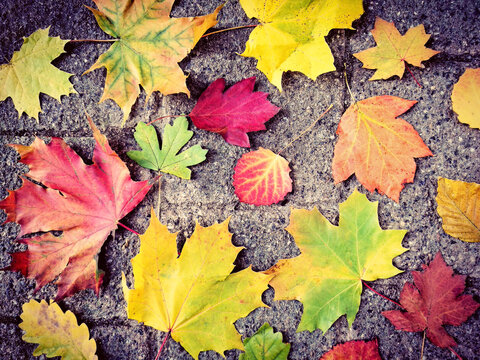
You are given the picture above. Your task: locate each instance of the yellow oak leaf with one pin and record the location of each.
(30, 73)
(393, 50)
(193, 296)
(292, 33)
(149, 44)
(56, 332)
(459, 206)
(327, 276)
(465, 99)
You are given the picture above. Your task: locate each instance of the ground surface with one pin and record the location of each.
(209, 197)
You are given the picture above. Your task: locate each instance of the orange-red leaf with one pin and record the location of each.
(433, 301)
(354, 350)
(262, 178)
(83, 202)
(377, 146)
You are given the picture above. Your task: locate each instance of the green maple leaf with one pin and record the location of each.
(30, 73)
(265, 345)
(327, 276)
(167, 159)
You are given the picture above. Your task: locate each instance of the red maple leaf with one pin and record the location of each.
(354, 350)
(84, 202)
(234, 113)
(433, 301)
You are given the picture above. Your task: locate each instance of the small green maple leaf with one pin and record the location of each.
(266, 345)
(167, 159)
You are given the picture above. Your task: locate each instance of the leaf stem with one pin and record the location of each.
(385, 297)
(348, 87)
(159, 198)
(94, 40)
(307, 129)
(423, 345)
(228, 29)
(163, 117)
(126, 227)
(163, 344)
(411, 73)
(453, 351)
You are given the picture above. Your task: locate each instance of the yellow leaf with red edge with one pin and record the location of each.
(149, 44)
(194, 296)
(393, 50)
(378, 146)
(465, 98)
(261, 177)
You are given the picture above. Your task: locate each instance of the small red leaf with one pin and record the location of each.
(354, 350)
(234, 113)
(262, 178)
(433, 301)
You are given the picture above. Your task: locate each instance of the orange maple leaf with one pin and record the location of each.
(377, 146)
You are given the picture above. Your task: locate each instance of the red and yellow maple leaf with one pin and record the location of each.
(354, 350)
(261, 177)
(377, 146)
(234, 113)
(84, 202)
(433, 301)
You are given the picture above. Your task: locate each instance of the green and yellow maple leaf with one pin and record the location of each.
(56, 332)
(30, 72)
(149, 44)
(265, 345)
(193, 296)
(327, 276)
(292, 33)
(167, 159)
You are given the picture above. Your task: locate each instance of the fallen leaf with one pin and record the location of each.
(265, 345)
(30, 73)
(234, 113)
(377, 146)
(354, 350)
(193, 296)
(261, 177)
(432, 301)
(84, 202)
(167, 159)
(465, 101)
(291, 34)
(393, 50)
(149, 44)
(459, 206)
(56, 333)
(327, 276)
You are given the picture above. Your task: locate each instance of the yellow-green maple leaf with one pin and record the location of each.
(56, 332)
(327, 276)
(292, 33)
(149, 44)
(30, 73)
(194, 296)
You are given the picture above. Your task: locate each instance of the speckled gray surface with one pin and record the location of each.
(209, 196)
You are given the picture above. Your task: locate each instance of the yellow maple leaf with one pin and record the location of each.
(194, 296)
(30, 73)
(459, 206)
(149, 44)
(465, 99)
(393, 50)
(292, 33)
(56, 332)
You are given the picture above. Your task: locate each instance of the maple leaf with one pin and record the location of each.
(433, 301)
(265, 345)
(167, 159)
(234, 113)
(393, 50)
(56, 332)
(194, 296)
(149, 44)
(261, 177)
(84, 202)
(354, 350)
(459, 206)
(465, 101)
(377, 146)
(327, 276)
(30, 73)
(292, 33)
